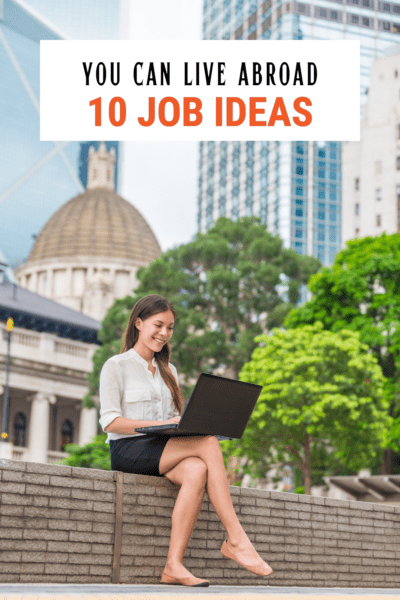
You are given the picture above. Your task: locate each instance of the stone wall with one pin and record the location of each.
(65, 524)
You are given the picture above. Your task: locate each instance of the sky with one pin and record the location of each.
(160, 178)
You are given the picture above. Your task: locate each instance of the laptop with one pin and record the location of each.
(217, 406)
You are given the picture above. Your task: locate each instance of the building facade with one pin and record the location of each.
(371, 167)
(294, 187)
(36, 177)
(51, 350)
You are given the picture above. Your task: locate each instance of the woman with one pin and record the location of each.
(139, 388)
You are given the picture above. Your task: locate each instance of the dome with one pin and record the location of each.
(96, 223)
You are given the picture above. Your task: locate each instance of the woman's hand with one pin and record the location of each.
(170, 421)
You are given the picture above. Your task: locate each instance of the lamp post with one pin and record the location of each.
(5, 447)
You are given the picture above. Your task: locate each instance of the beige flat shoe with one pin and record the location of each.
(190, 581)
(255, 567)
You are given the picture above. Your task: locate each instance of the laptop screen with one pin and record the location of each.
(220, 406)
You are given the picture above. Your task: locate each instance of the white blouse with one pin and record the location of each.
(128, 389)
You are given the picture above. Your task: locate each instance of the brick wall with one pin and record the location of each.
(58, 524)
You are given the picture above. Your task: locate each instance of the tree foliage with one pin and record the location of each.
(94, 455)
(223, 285)
(322, 391)
(361, 292)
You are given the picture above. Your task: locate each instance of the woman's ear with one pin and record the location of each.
(138, 323)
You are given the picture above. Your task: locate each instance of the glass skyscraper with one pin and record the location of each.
(36, 177)
(295, 187)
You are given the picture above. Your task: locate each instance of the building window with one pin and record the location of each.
(378, 220)
(378, 167)
(19, 428)
(378, 194)
(396, 73)
(398, 163)
(94, 173)
(357, 232)
(357, 209)
(67, 434)
(357, 183)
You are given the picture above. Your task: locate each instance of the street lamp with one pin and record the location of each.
(5, 450)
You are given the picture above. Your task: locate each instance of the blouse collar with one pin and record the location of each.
(140, 359)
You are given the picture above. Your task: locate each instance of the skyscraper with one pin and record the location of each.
(295, 187)
(36, 177)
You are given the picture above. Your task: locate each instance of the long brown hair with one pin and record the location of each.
(145, 308)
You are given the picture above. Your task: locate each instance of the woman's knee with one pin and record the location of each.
(195, 470)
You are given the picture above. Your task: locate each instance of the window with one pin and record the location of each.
(354, 19)
(357, 209)
(378, 194)
(19, 429)
(396, 73)
(398, 131)
(357, 183)
(67, 434)
(378, 220)
(386, 6)
(365, 21)
(378, 167)
(357, 232)
(398, 163)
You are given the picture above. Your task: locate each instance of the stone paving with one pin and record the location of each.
(18, 591)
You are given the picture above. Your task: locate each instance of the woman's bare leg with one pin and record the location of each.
(208, 449)
(191, 475)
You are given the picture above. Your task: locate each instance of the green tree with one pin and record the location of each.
(223, 285)
(321, 390)
(361, 292)
(94, 455)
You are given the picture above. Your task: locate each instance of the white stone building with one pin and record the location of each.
(371, 167)
(85, 257)
(51, 353)
(88, 252)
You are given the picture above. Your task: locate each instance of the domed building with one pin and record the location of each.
(88, 252)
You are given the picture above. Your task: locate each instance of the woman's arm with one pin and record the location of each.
(128, 426)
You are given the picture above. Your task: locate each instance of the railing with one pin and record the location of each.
(19, 453)
(26, 339)
(53, 456)
(71, 349)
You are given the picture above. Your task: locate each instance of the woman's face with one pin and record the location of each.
(155, 331)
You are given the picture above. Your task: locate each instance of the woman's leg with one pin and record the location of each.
(208, 449)
(191, 475)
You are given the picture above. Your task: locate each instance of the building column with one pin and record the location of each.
(87, 425)
(39, 423)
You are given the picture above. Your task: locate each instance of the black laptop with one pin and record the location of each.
(217, 406)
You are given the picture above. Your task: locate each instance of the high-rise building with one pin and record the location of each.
(36, 178)
(371, 167)
(295, 187)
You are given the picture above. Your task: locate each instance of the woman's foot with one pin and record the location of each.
(244, 553)
(176, 569)
(176, 574)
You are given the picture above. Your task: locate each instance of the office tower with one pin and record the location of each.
(36, 178)
(371, 167)
(295, 187)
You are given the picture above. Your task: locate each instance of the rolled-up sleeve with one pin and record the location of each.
(175, 374)
(110, 393)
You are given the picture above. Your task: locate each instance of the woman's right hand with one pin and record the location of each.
(170, 421)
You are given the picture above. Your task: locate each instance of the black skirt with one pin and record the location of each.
(138, 454)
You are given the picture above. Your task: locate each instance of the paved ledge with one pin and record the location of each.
(73, 526)
(217, 592)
